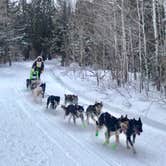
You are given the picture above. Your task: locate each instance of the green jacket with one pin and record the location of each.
(34, 74)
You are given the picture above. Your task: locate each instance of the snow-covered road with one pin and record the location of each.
(30, 135)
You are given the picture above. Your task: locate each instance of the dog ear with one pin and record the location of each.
(126, 116)
(139, 119)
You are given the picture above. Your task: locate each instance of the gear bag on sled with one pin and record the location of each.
(34, 77)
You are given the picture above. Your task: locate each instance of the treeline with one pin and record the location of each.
(31, 29)
(124, 36)
(127, 37)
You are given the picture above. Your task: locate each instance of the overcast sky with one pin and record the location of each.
(73, 1)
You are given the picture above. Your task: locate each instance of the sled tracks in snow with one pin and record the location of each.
(62, 138)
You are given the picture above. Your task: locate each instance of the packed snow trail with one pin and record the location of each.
(32, 135)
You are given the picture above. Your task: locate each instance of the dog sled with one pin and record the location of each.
(35, 85)
(34, 80)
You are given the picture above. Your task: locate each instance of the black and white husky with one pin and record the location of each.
(53, 101)
(132, 128)
(93, 111)
(74, 111)
(71, 99)
(112, 125)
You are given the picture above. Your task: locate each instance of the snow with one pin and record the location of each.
(121, 100)
(30, 135)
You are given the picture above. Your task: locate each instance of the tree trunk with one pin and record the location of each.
(124, 51)
(140, 49)
(156, 45)
(145, 52)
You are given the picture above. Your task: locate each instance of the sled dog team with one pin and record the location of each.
(113, 125)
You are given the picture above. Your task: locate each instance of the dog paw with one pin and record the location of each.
(84, 125)
(134, 152)
(106, 142)
(114, 146)
(97, 133)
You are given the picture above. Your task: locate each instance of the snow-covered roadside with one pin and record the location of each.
(139, 104)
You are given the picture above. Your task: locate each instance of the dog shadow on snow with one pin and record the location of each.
(120, 150)
(53, 112)
(78, 127)
(58, 113)
(37, 101)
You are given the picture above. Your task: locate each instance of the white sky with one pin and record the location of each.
(72, 1)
